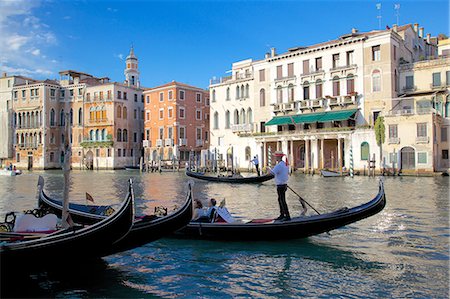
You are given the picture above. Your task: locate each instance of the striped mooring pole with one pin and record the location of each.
(269, 158)
(351, 161)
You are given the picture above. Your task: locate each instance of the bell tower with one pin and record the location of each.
(131, 70)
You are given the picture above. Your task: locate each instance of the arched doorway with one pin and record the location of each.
(154, 155)
(408, 158)
(89, 160)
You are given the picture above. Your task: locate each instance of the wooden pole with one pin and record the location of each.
(66, 169)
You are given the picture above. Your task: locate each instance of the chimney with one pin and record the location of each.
(354, 30)
(429, 38)
(267, 55)
(395, 27)
(416, 27)
(421, 32)
(4, 74)
(273, 52)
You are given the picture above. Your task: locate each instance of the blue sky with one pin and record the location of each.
(187, 41)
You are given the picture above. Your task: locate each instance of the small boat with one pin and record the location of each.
(131, 167)
(21, 250)
(330, 173)
(297, 227)
(7, 172)
(144, 230)
(230, 179)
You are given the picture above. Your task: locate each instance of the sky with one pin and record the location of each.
(186, 41)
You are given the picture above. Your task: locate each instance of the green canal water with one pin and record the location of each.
(402, 252)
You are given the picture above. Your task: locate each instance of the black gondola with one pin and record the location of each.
(131, 167)
(298, 227)
(230, 179)
(74, 243)
(144, 230)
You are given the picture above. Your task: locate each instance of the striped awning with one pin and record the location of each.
(308, 118)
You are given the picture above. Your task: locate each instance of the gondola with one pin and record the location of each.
(298, 227)
(131, 167)
(230, 179)
(144, 230)
(330, 173)
(74, 243)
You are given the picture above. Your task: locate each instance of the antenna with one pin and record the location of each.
(397, 12)
(379, 17)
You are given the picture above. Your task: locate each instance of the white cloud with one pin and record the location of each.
(110, 9)
(120, 56)
(23, 39)
(67, 17)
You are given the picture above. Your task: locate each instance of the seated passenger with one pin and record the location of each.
(223, 215)
(198, 210)
(211, 213)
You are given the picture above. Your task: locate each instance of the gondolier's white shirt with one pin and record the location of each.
(281, 172)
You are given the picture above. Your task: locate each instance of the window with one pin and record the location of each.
(227, 119)
(198, 114)
(62, 118)
(395, 81)
(394, 50)
(228, 95)
(290, 70)
(109, 98)
(161, 132)
(319, 89)
(124, 113)
(336, 86)
(182, 132)
(181, 95)
(182, 113)
(148, 116)
(262, 98)
(147, 134)
(216, 120)
(350, 84)
(52, 92)
(365, 151)
(291, 92)
(376, 53)
(124, 95)
(409, 82)
(263, 126)
(237, 92)
(170, 132)
(198, 97)
(71, 92)
(445, 154)
(247, 91)
(335, 60)
(350, 58)
(393, 131)
(18, 157)
(170, 112)
(80, 91)
(422, 158)
(279, 95)
(306, 90)
(52, 117)
(119, 94)
(199, 134)
(52, 156)
(135, 97)
(249, 115)
(161, 113)
(125, 136)
(262, 75)
(279, 71)
(24, 93)
(119, 152)
(248, 154)
(80, 116)
(444, 134)
(376, 81)
(119, 135)
(236, 117)
(148, 99)
(447, 78)
(436, 79)
(161, 96)
(422, 130)
(375, 115)
(135, 114)
(119, 112)
(318, 63)
(62, 93)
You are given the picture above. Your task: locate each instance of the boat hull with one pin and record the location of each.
(234, 180)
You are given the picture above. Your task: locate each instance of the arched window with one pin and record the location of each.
(216, 120)
(124, 112)
(247, 91)
(62, 120)
(227, 119)
(306, 90)
(80, 116)
(236, 117)
(242, 91)
(52, 117)
(63, 139)
(40, 138)
(119, 111)
(119, 135)
(447, 109)
(15, 119)
(395, 81)
(97, 135)
(262, 97)
(71, 116)
(291, 92)
(214, 95)
(248, 153)
(376, 81)
(350, 84)
(319, 89)
(365, 151)
(242, 116)
(91, 135)
(237, 92)
(336, 86)
(103, 134)
(249, 115)
(279, 94)
(228, 94)
(125, 135)
(79, 138)
(98, 112)
(92, 113)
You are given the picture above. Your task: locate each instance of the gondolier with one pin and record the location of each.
(256, 162)
(281, 173)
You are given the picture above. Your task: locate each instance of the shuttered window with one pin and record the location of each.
(279, 72)
(306, 66)
(290, 70)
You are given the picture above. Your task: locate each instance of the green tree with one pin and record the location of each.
(380, 136)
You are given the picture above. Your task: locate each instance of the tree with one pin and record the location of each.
(380, 136)
(442, 36)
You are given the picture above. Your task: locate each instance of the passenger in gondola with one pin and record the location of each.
(281, 173)
(212, 209)
(199, 213)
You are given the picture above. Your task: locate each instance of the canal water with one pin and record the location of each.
(402, 252)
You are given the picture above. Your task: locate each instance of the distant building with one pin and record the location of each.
(176, 121)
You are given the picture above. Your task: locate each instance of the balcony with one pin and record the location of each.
(236, 77)
(199, 142)
(286, 79)
(437, 86)
(333, 101)
(246, 128)
(422, 139)
(408, 89)
(316, 103)
(168, 142)
(146, 143)
(301, 105)
(400, 112)
(96, 143)
(30, 145)
(159, 142)
(348, 99)
(99, 121)
(343, 67)
(393, 140)
(182, 141)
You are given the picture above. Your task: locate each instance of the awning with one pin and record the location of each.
(308, 118)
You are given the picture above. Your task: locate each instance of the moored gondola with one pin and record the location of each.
(231, 179)
(76, 242)
(297, 227)
(144, 230)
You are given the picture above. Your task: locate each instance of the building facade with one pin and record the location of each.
(176, 121)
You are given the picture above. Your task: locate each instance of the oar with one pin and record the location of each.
(303, 201)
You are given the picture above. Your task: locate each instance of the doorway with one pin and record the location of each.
(408, 158)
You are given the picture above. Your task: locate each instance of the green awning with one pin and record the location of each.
(308, 118)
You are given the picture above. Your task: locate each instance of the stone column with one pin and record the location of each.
(292, 156)
(339, 155)
(322, 153)
(315, 154)
(284, 147)
(307, 155)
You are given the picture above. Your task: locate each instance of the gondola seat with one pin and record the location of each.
(31, 223)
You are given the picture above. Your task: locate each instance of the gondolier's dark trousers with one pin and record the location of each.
(281, 190)
(257, 169)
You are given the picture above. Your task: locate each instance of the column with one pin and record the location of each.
(284, 147)
(339, 155)
(322, 153)
(307, 155)
(292, 156)
(315, 154)
(264, 155)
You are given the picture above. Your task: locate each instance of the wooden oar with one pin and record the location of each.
(303, 201)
